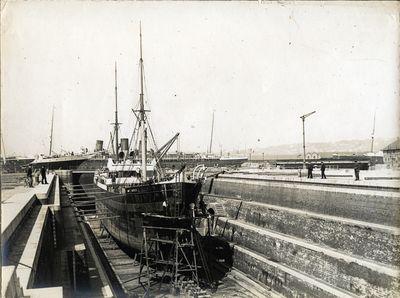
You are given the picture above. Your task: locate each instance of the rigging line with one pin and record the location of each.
(158, 162)
(133, 134)
(151, 133)
(145, 87)
(111, 140)
(136, 106)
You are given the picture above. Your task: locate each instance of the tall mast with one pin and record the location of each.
(4, 149)
(51, 133)
(142, 114)
(212, 131)
(373, 135)
(116, 124)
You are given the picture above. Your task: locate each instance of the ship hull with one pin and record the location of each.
(123, 215)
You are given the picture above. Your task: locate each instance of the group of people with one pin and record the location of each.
(30, 174)
(310, 168)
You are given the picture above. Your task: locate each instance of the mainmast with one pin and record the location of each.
(142, 115)
(51, 133)
(116, 124)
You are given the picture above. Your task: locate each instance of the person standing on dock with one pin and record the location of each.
(29, 176)
(323, 170)
(357, 170)
(36, 175)
(309, 170)
(43, 173)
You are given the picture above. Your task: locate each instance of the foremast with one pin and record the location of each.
(142, 117)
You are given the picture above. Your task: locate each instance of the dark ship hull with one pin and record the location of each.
(124, 214)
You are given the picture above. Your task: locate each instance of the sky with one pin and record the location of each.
(258, 65)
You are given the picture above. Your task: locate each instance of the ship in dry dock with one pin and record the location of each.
(133, 192)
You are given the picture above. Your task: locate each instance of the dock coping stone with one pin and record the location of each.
(375, 185)
(310, 186)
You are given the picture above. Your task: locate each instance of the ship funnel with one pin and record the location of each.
(99, 146)
(125, 146)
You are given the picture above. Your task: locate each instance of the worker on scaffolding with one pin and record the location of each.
(202, 205)
(164, 205)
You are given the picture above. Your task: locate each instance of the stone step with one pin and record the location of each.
(368, 240)
(281, 278)
(354, 274)
(356, 204)
(256, 288)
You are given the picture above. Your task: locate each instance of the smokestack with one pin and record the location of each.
(99, 146)
(125, 146)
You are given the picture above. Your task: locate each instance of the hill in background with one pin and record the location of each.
(296, 150)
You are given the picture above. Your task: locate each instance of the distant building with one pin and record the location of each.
(391, 154)
(313, 155)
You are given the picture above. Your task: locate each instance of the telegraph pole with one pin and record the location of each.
(373, 134)
(303, 118)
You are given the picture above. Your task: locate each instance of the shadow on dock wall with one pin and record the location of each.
(44, 274)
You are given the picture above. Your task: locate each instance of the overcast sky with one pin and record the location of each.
(258, 65)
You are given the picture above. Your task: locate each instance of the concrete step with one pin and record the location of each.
(368, 205)
(376, 242)
(281, 278)
(354, 274)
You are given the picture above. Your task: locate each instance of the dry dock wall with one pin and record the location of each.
(353, 203)
(314, 240)
(33, 273)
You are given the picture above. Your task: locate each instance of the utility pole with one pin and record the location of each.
(373, 135)
(303, 118)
